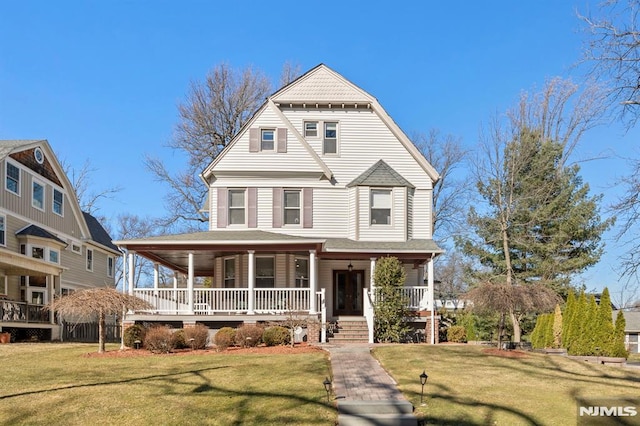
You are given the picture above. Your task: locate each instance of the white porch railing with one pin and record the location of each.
(266, 300)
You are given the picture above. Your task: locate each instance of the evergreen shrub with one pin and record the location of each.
(224, 338)
(276, 336)
(133, 333)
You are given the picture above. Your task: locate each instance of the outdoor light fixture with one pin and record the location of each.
(423, 380)
(327, 387)
(136, 344)
(350, 267)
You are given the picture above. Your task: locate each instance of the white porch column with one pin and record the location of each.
(313, 282)
(175, 290)
(51, 288)
(156, 278)
(372, 274)
(190, 283)
(252, 281)
(431, 299)
(131, 254)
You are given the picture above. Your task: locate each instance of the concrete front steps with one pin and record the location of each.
(350, 330)
(376, 413)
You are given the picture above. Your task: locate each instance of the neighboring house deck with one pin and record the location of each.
(318, 185)
(48, 246)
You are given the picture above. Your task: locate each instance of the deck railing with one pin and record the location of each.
(11, 311)
(417, 297)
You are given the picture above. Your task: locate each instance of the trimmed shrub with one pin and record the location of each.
(276, 335)
(224, 338)
(133, 333)
(159, 340)
(457, 334)
(249, 336)
(199, 334)
(179, 340)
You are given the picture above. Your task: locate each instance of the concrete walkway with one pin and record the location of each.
(357, 376)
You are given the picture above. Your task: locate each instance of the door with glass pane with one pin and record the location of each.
(347, 291)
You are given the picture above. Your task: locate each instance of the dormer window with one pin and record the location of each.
(267, 140)
(380, 207)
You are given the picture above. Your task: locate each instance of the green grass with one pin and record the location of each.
(468, 387)
(58, 384)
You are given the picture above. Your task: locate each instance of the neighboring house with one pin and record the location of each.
(48, 246)
(631, 329)
(318, 185)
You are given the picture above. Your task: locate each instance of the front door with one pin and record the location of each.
(347, 292)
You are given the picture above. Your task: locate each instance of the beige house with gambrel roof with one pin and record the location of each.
(48, 246)
(316, 186)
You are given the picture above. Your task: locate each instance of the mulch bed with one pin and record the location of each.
(300, 348)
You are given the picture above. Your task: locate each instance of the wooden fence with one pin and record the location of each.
(88, 332)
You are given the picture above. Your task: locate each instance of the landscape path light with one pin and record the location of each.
(327, 387)
(423, 381)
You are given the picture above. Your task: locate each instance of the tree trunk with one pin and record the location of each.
(517, 331)
(101, 331)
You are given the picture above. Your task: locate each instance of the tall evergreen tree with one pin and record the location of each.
(604, 325)
(569, 312)
(557, 327)
(618, 346)
(577, 326)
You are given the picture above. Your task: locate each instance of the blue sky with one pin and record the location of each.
(101, 80)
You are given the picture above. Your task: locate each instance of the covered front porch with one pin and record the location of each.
(247, 275)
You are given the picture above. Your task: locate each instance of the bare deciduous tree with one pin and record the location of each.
(450, 193)
(86, 305)
(213, 112)
(82, 183)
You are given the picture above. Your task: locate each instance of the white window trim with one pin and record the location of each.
(35, 181)
(73, 244)
(324, 132)
(53, 202)
(245, 208)
(380, 225)
(274, 140)
(285, 208)
(111, 261)
(86, 258)
(6, 177)
(3, 242)
(304, 129)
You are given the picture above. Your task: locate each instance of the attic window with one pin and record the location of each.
(310, 129)
(267, 139)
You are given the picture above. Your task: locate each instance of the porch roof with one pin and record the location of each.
(172, 251)
(12, 263)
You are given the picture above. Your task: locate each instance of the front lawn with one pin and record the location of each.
(50, 383)
(468, 385)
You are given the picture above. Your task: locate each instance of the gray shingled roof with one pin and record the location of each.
(8, 146)
(410, 246)
(632, 320)
(380, 174)
(224, 237)
(98, 233)
(36, 231)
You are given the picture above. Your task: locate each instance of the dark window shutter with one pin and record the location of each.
(222, 207)
(252, 203)
(254, 140)
(277, 207)
(307, 200)
(282, 139)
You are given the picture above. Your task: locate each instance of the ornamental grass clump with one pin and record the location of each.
(249, 336)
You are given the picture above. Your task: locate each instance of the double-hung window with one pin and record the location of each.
(236, 207)
(291, 207)
(37, 199)
(13, 179)
(110, 263)
(3, 240)
(265, 272)
(302, 272)
(267, 140)
(310, 129)
(380, 207)
(58, 201)
(330, 142)
(230, 272)
(89, 260)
